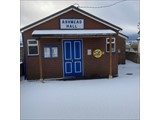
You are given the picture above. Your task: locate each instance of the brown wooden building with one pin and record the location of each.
(71, 44)
(122, 48)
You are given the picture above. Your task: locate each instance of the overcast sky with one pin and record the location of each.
(125, 14)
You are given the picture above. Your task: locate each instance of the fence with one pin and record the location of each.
(133, 56)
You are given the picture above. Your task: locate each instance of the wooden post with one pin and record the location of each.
(110, 57)
(40, 62)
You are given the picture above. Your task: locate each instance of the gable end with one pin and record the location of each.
(65, 11)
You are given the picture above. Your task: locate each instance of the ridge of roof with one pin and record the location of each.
(72, 7)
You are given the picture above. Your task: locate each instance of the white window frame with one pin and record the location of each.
(28, 45)
(113, 42)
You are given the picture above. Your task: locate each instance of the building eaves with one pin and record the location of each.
(124, 36)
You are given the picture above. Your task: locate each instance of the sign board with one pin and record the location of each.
(71, 23)
(54, 52)
(89, 52)
(97, 53)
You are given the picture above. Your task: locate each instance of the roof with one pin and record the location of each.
(70, 8)
(123, 36)
(72, 32)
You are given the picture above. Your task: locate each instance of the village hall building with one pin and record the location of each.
(72, 43)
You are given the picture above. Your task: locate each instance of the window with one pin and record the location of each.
(32, 47)
(50, 52)
(113, 45)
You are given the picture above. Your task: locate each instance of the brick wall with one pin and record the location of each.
(133, 56)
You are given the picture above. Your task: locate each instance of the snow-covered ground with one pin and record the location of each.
(115, 99)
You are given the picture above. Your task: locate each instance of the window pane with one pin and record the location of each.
(33, 42)
(112, 47)
(33, 50)
(108, 47)
(108, 40)
(113, 39)
(47, 52)
(54, 52)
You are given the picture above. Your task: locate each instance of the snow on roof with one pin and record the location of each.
(122, 35)
(72, 32)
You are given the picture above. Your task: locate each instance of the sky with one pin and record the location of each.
(125, 14)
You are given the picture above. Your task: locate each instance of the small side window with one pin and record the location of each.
(32, 47)
(108, 46)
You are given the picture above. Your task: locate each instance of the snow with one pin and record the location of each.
(73, 32)
(116, 98)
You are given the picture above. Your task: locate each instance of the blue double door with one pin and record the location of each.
(72, 52)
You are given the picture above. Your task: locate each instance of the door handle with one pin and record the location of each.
(70, 60)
